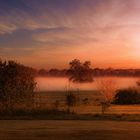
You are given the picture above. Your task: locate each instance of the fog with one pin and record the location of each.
(61, 84)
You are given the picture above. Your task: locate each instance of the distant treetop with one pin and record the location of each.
(80, 72)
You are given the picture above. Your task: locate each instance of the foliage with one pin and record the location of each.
(107, 88)
(80, 72)
(71, 99)
(16, 83)
(127, 96)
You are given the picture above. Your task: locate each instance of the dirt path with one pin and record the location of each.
(69, 130)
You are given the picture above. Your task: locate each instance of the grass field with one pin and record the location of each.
(47, 99)
(69, 130)
(119, 123)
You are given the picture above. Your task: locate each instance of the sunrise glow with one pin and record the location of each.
(45, 34)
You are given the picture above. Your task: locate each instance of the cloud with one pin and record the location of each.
(74, 28)
(46, 14)
(65, 36)
(7, 28)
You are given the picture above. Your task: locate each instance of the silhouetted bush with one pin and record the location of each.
(17, 84)
(71, 99)
(85, 101)
(127, 96)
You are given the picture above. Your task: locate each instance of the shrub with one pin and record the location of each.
(127, 96)
(85, 101)
(16, 84)
(71, 99)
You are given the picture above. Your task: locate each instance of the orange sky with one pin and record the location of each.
(49, 34)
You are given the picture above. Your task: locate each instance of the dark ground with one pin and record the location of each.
(68, 130)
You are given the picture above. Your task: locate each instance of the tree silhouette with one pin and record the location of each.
(71, 100)
(80, 72)
(127, 96)
(16, 83)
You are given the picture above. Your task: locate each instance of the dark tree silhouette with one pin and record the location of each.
(71, 100)
(127, 96)
(16, 84)
(80, 72)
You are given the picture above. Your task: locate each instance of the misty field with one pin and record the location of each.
(91, 106)
(69, 130)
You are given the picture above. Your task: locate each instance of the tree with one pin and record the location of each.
(17, 84)
(71, 100)
(127, 96)
(107, 88)
(80, 72)
(138, 84)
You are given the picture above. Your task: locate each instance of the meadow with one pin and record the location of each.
(91, 106)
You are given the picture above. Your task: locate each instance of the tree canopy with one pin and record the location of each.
(17, 83)
(80, 72)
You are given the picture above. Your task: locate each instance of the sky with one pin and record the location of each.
(51, 33)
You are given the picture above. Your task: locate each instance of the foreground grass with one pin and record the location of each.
(47, 99)
(63, 115)
(68, 130)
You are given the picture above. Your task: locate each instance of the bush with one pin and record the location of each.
(71, 99)
(127, 96)
(16, 84)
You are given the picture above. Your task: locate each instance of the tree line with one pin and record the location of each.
(95, 72)
(18, 85)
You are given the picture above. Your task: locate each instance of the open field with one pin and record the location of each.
(69, 130)
(47, 99)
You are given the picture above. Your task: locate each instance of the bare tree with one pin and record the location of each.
(107, 88)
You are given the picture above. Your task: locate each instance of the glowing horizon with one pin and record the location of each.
(49, 34)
